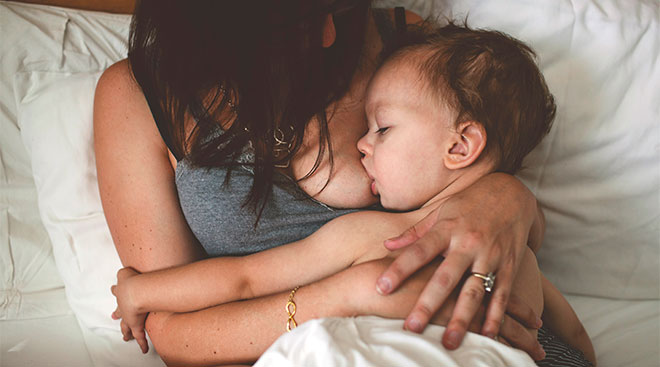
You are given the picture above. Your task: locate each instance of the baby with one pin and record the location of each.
(448, 107)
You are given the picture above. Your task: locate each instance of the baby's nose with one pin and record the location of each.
(363, 146)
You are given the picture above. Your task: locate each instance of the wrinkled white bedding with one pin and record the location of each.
(373, 341)
(602, 63)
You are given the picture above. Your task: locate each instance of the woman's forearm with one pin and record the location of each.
(240, 332)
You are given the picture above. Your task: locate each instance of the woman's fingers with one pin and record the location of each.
(497, 303)
(520, 337)
(441, 284)
(469, 301)
(415, 256)
(413, 233)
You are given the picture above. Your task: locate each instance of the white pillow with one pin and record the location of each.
(55, 116)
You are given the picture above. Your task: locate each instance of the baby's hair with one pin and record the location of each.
(487, 77)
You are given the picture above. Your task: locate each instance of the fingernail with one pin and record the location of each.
(452, 339)
(383, 285)
(414, 325)
(539, 322)
(540, 352)
(490, 335)
(389, 242)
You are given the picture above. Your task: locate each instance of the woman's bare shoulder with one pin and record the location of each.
(121, 112)
(117, 80)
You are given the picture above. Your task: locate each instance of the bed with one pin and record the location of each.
(597, 176)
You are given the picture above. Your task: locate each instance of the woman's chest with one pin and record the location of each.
(224, 226)
(341, 181)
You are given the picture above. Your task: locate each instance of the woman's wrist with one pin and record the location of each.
(343, 294)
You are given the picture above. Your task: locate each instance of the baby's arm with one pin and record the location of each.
(210, 282)
(558, 316)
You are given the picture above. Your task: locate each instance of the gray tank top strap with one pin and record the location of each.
(384, 25)
(389, 31)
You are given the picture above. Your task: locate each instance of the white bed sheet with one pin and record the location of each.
(50, 341)
(37, 325)
(623, 332)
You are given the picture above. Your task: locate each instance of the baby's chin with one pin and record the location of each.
(394, 205)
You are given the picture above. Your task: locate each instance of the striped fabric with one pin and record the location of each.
(559, 353)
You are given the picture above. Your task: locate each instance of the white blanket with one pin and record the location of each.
(373, 341)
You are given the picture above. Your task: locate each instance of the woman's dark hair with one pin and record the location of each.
(250, 68)
(488, 77)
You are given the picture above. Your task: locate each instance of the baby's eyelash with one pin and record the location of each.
(382, 130)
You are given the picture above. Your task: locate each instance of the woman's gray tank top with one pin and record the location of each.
(218, 218)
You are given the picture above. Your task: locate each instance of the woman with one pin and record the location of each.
(285, 84)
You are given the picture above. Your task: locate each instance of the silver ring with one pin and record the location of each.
(489, 280)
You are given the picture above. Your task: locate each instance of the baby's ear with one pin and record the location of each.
(465, 145)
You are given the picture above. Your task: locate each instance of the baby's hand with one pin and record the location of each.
(132, 318)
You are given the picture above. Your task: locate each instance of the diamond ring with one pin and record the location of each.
(489, 280)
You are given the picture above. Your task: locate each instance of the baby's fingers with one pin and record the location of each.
(141, 339)
(116, 314)
(126, 331)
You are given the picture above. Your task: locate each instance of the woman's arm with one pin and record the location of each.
(228, 333)
(559, 316)
(482, 229)
(240, 332)
(355, 237)
(136, 180)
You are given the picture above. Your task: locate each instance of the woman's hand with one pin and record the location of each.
(398, 304)
(132, 319)
(482, 229)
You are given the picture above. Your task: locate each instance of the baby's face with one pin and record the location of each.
(407, 138)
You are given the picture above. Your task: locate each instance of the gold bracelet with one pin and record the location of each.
(291, 311)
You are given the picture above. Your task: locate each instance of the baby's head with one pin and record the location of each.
(449, 102)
